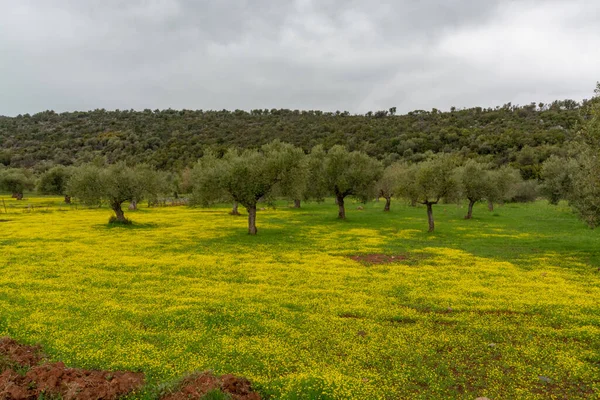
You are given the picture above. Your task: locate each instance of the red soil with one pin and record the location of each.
(196, 386)
(56, 380)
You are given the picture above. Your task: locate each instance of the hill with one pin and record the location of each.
(174, 139)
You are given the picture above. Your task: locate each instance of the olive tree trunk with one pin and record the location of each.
(119, 212)
(18, 196)
(67, 199)
(341, 208)
(252, 220)
(388, 201)
(297, 203)
(470, 211)
(234, 209)
(430, 216)
(490, 205)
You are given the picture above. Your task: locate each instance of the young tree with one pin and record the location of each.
(475, 183)
(247, 176)
(433, 181)
(557, 176)
(15, 181)
(350, 174)
(387, 185)
(54, 181)
(115, 184)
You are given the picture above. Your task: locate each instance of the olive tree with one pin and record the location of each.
(585, 196)
(388, 184)
(248, 176)
(475, 183)
(557, 178)
(115, 185)
(156, 184)
(433, 180)
(346, 173)
(503, 185)
(316, 184)
(15, 181)
(54, 181)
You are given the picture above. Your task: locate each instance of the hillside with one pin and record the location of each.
(171, 139)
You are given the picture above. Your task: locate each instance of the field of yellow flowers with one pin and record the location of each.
(505, 306)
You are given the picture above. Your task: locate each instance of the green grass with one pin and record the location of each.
(505, 305)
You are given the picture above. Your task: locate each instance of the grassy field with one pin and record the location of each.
(506, 305)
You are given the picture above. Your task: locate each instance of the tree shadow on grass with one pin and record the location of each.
(132, 226)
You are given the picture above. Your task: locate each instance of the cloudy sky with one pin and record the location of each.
(354, 55)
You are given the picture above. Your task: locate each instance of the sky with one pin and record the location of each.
(347, 55)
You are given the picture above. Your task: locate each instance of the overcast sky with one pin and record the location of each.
(354, 55)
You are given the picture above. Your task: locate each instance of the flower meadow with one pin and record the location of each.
(505, 306)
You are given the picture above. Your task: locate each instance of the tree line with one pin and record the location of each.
(247, 176)
(281, 170)
(171, 140)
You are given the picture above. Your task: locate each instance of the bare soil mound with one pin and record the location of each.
(13, 354)
(197, 386)
(23, 378)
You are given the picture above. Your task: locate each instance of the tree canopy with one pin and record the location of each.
(115, 185)
(349, 173)
(248, 176)
(523, 136)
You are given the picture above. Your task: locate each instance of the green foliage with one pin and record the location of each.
(5, 157)
(115, 185)
(474, 180)
(525, 192)
(432, 181)
(351, 173)
(392, 174)
(316, 188)
(54, 181)
(248, 176)
(174, 139)
(15, 181)
(204, 180)
(557, 176)
(504, 183)
(585, 197)
(87, 185)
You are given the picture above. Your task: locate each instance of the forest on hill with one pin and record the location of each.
(521, 136)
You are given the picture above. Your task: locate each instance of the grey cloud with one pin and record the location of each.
(329, 54)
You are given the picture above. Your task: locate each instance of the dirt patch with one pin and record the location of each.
(14, 355)
(197, 386)
(23, 378)
(371, 259)
(56, 380)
